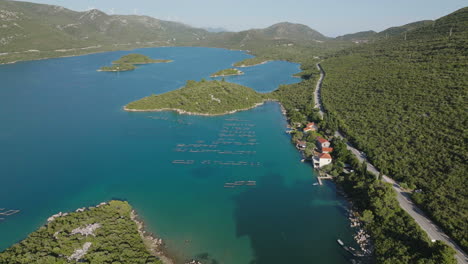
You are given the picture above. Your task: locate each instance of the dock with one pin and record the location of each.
(350, 250)
(320, 178)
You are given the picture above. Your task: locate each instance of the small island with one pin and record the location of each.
(227, 72)
(138, 59)
(251, 62)
(128, 62)
(202, 98)
(106, 233)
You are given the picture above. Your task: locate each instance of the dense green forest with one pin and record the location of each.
(204, 97)
(396, 237)
(402, 100)
(115, 239)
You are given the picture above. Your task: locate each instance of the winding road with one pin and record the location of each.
(404, 198)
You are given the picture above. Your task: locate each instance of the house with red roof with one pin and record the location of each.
(310, 127)
(322, 159)
(322, 143)
(327, 150)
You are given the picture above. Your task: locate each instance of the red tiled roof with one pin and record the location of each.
(325, 156)
(321, 140)
(311, 124)
(327, 149)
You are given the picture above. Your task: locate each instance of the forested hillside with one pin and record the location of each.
(403, 101)
(32, 31)
(103, 234)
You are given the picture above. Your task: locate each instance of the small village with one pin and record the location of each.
(321, 150)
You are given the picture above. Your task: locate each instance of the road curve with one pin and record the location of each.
(404, 199)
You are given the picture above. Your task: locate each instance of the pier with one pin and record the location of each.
(326, 177)
(350, 250)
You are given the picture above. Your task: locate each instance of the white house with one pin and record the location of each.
(324, 159)
(322, 143)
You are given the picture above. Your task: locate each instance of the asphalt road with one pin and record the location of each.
(404, 199)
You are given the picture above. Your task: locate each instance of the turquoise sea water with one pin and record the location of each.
(65, 143)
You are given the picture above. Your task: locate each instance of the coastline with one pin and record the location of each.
(225, 75)
(153, 244)
(245, 66)
(183, 112)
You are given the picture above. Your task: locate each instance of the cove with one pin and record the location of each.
(66, 143)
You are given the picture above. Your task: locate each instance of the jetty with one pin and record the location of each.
(350, 250)
(326, 177)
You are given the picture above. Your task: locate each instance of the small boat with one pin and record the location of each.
(316, 183)
(340, 242)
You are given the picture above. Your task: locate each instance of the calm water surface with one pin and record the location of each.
(65, 143)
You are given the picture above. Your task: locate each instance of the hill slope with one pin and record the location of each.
(403, 102)
(28, 28)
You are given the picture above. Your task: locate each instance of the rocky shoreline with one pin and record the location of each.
(154, 245)
(183, 112)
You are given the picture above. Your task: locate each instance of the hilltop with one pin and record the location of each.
(202, 98)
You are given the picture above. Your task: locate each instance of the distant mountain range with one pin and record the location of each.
(34, 31)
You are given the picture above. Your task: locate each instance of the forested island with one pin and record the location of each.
(227, 72)
(138, 59)
(128, 62)
(107, 233)
(202, 98)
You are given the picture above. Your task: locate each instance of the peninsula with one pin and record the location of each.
(107, 233)
(251, 62)
(202, 98)
(128, 62)
(227, 72)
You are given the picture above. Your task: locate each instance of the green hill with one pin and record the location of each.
(403, 101)
(32, 31)
(107, 234)
(363, 35)
(202, 98)
(35, 31)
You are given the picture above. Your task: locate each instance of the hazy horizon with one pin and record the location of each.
(333, 18)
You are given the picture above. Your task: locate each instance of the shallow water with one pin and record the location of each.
(66, 143)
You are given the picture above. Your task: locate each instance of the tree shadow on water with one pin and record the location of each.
(281, 223)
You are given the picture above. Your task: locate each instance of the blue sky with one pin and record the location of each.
(330, 17)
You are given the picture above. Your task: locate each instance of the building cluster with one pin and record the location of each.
(322, 155)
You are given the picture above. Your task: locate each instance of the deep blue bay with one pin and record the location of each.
(66, 143)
